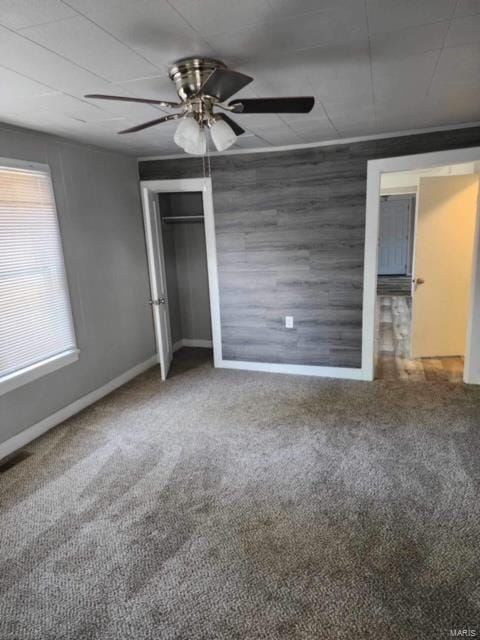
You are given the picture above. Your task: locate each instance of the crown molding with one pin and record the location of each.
(315, 145)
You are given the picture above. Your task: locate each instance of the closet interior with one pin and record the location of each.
(185, 253)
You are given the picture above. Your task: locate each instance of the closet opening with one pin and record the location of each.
(181, 225)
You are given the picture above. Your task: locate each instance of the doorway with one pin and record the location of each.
(395, 243)
(395, 238)
(375, 170)
(423, 314)
(179, 230)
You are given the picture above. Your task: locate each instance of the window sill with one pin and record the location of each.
(38, 370)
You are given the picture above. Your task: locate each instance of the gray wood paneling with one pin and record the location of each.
(290, 240)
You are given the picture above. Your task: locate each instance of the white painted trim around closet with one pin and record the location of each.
(375, 168)
(31, 433)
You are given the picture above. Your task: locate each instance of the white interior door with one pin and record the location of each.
(394, 235)
(158, 285)
(444, 243)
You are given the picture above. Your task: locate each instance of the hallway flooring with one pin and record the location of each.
(394, 285)
(394, 363)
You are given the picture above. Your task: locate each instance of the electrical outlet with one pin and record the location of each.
(289, 322)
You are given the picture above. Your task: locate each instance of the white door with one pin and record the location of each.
(158, 284)
(444, 242)
(394, 235)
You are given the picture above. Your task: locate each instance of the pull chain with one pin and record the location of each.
(207, 172)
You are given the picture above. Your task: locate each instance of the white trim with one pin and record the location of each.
(399, 191)
(471, 372)
(31, 433)
(39, 369)
(375, 168)
(204, 185)
(347, 373)
(187, 342)
(314, 145)
(12, 163)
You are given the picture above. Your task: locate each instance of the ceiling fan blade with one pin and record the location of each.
(223, 83)
(236, 128)
(273, 105)
(162, 103)
(152, 123)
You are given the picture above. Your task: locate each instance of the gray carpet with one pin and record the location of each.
(236, 505)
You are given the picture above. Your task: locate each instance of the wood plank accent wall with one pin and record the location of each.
(290, 229)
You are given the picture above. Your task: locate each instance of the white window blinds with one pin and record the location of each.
(35, 317)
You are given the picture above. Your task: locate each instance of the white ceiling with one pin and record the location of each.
(373, 65)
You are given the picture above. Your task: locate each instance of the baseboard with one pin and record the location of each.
(345, 373)
(206, 344)
(31, 433)
(178, 345)
(186, 342)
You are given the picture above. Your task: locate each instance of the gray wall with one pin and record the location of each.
(186, 268)
(290, 229)
(103, 241)
(193, 281)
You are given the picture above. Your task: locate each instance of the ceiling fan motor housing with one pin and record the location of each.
(190, 74)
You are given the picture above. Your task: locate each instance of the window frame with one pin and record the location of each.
(32, 372)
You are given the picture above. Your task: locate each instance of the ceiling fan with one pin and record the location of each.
(204, 84)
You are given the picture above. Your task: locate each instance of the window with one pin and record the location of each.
(36, 327)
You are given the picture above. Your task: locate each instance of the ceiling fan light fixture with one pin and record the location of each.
(222, 134)
(198, 145)
(190, 136)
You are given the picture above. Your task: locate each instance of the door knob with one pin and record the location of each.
(419, 281)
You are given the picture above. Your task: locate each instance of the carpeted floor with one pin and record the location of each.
(234, 505)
